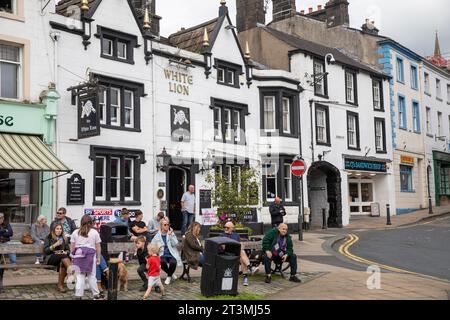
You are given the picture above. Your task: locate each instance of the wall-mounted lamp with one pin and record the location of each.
(163, 160)
(208, 163)
(87, 30)
(329, 59)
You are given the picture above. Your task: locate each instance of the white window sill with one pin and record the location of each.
(12, 16)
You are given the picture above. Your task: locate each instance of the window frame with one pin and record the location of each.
(232, 106)
(129, 108)
(325, 78)
(284, 129)
(327, 133)
(354, 76)
(428, 120)
(281, 164)
(138, 157)
(427, 83)
(417, 124)
(103, 177)
(439, 124)
(402, 111)
(117, 177)
(381, 94)
(438, 89)
(19, 70)
(383, 140)
(414, 71)
(400, 66)
(410, 171)
(357, 145)
(130, 41)
(228, 67)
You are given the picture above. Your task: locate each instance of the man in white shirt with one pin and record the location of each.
(188, 208)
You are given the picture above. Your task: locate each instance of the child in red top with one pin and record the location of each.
(153, 271)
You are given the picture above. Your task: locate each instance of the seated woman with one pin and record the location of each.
(192, 251)
(39, 232)
(167, 242)
(54, 244)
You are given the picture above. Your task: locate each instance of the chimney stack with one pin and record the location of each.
(283, 9)
(310, 10)
(249, 14)
(337, 13)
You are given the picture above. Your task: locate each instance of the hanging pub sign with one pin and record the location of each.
(75, 190)
(88, 116)
(180, 124)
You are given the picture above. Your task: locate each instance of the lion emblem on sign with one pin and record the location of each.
(180, 117)
(87, 109)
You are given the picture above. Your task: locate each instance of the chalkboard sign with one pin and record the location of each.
(75, 190)
(375, 209)
(205, 199)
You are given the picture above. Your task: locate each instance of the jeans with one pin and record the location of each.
(100, 268)
(142, 272)
(291, 259)
(12, 258)
(188, 218)
(169, 265)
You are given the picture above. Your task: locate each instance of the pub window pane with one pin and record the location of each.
(445, 181)
(269, 113)
(115, 178)
(227, 124)
(107, 47)
(321, 126)
(115, 106)
(102, 105)
(129, 108)
(237, 125)
(221, 75)
(270, 172)
(350, 87)
(128, 179)
(121, 50)
(286, 115)
(287, 182)
(230, 77)
(100, 178)
(217, 123)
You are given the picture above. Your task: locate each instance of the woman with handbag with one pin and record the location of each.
(39, 232)
(56, 251)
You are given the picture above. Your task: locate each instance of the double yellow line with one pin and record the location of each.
(353, 238)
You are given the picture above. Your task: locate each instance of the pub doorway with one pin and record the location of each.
(178, 182)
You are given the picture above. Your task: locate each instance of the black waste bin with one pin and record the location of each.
(110, 233)
(220, 273)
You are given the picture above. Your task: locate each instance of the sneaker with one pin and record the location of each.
(253, 270)
(294, 278)
(99, 297)
(167, 282)
(37, 262)
(245, 281)
(174, 277)
(268, 279)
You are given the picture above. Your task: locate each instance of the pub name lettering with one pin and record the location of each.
(178, 82)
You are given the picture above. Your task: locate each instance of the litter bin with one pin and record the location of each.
(110, 233)
(220, 271)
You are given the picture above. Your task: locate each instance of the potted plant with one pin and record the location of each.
(234, 197)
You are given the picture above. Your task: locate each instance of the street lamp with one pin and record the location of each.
(163, 160)
(87, 30)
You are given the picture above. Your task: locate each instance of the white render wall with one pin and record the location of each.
(338, 126)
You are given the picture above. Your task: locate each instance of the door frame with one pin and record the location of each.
(360, 204)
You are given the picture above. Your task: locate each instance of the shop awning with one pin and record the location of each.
(27, 153)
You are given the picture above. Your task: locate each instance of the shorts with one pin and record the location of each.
(154, 281)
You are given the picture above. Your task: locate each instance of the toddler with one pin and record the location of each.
(154, 272)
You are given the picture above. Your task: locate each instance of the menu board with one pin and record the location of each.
(75, 190)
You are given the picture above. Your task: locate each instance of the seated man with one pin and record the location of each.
(138, 227)
(278, 247)
(245, 262)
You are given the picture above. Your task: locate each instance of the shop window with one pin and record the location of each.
(445, 181)
(117, 175)
(406, 178)
(19, 194)
(10, 66)
(116, 45)
(229, 121)
(119, 103)
(228, 73)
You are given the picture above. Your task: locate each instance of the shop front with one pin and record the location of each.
(27, 164)
(367, 185)
(442, 177)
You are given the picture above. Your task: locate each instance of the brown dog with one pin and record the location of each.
(123, 277)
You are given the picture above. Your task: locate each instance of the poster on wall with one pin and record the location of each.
(75, 190)
(180, 124)
(100, 216)
(209, 217)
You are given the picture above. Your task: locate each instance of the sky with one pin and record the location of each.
(413, 23)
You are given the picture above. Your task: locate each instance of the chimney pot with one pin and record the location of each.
(310, 10)
(319, 7)
(302, 12)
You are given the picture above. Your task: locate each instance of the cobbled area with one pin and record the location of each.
(177, 290)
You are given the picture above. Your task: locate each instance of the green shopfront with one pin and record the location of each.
(441, 162)
(27, 164)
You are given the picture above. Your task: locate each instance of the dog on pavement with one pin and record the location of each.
(123, 277)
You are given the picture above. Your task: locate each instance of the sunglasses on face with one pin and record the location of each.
(165, 225)
(60, 213)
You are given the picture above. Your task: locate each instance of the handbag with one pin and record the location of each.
(27, 239)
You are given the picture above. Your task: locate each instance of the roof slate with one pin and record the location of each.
(192, 39)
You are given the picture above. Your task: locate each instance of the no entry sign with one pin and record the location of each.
(298, 168)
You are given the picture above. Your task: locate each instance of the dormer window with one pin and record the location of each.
(116, 45)
(228, 73)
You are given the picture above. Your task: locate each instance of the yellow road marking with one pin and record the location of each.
(344, 250)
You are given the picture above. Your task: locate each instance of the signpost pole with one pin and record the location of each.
(298, 169)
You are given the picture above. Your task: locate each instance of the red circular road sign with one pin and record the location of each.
(298, 168)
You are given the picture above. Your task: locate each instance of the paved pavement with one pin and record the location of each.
(423, 248)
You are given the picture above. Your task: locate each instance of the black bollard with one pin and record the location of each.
(388, 211)
(113, 279)
(324, 219)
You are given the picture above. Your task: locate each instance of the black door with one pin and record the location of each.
(177, 186)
